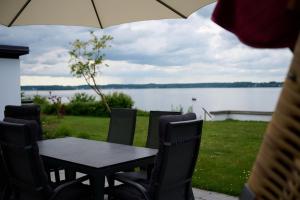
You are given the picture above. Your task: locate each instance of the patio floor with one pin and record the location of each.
(207, 195)
(199, 194)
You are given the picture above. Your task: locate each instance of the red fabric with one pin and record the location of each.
(259, 23)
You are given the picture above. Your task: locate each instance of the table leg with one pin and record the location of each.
(70, 174)
(98, 184)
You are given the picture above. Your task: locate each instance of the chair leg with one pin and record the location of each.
(149, 171)
(192, 197)
(56, 175)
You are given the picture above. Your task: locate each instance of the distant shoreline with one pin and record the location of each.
(159, 86)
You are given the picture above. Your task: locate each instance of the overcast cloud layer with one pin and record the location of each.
(166, 51)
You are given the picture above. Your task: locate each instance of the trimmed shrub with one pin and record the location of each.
(86, 109)
(86, 105)
(46, 106)
(49, 109)
(82, 98)
(119, 100)
(37, 99)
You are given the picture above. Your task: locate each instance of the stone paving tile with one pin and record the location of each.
(207, 195)
(199, 194)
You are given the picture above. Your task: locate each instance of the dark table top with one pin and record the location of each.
(95, 154)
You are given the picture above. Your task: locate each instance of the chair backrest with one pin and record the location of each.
(122, 126)
(27, 112)
(153, 127)
(177, 156)
(21, 156)
(21, 121)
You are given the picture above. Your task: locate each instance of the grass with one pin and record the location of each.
(228, 148)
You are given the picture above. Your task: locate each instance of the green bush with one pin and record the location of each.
(82, 104)
(82, 98)
(85, 105)
(119, 100)
(49, 109)
(46, 106)
(86, 109)
(37, 99)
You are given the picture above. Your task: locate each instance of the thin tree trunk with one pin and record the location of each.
(98, 92)
(101, 95)
(104, 101)
(279, 153)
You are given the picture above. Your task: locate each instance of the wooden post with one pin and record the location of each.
(276, 172)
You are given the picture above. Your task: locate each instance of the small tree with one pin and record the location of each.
(86, 59)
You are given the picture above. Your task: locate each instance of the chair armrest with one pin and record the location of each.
(60, 188)
(138, 186)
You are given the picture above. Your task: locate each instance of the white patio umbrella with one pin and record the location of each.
(93, 13)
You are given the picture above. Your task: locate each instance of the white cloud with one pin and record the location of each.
(166, 51)
(53, 62)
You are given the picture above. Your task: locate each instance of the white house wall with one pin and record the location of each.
(9, 83)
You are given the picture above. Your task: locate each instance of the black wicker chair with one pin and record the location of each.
(122, 126)
(179, 143)
(153, 127)
(16, 114)
(49, 169)
(4, 184)
(121, 130)
(152, 142)
(26, 174)
(27, 112)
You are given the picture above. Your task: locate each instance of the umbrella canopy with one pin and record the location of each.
(93, 13)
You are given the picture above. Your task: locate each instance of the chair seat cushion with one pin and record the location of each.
(134, 176)
(77, 191)
(126, 192)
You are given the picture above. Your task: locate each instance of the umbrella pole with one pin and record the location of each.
(276, 172)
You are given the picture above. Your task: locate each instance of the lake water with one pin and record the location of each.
(212, 99)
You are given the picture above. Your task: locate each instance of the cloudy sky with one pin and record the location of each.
(165, 51)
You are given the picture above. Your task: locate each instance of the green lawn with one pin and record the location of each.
(227, 152)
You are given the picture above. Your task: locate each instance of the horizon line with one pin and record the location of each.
(120, 84)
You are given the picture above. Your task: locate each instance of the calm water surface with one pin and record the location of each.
(212, 99)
